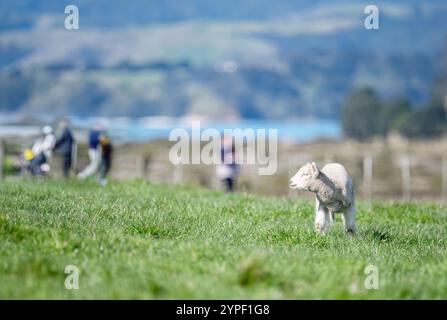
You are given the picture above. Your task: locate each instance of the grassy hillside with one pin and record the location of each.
(137, 240)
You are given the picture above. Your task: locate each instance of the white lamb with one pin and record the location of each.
(334, 193)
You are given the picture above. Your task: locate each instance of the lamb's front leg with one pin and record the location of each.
(348, 218)
(322, 218)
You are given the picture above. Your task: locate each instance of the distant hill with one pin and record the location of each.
(251, 59)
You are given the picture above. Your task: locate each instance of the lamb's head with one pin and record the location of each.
(305, 176)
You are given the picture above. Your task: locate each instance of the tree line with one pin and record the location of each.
(365, 115)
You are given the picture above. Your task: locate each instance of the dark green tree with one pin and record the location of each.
(430, 121)
(361, 114)
(427, 122)
(391, 114)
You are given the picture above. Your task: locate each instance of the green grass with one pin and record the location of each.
(139, 240)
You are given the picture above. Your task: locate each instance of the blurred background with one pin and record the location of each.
(374, 100)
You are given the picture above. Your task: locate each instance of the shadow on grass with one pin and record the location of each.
(13, 231)
(381, 234)
(251, 272)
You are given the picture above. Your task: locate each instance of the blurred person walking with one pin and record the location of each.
(93, 152)
(227, 170)
(65, 146)
(106, 158)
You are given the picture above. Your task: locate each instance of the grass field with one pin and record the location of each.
(139, 240)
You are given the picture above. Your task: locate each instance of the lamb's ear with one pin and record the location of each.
(309, 167)
(315, 170)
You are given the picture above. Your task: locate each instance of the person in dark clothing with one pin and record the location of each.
(65, 146)
(228, 170)
(36, 163)
(106, 158)
(229, 185)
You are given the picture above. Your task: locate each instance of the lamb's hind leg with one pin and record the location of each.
(348, 218)
(322, 219)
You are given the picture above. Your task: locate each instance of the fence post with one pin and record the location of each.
(23, 170)
(178, 173)
(2, 157)
(444, 177)
(368, 176)
(74, 158)
(406, 178)
(142, 163)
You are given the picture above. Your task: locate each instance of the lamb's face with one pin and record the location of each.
(304, 177)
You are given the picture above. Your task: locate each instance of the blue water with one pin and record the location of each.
(298, 131)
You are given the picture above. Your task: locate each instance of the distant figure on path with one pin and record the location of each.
(227, 170)
(42, 152)
(93, 152)
(65, 146)
(106, 158)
